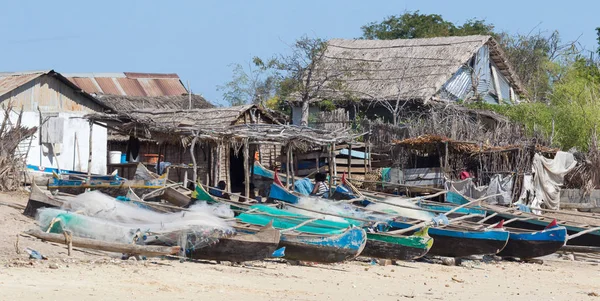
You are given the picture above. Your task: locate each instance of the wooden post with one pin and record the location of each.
(89, 167)
(287, 165)
(366, 160)
(446, 157)
(370, 155)
(349, 160)
(330, 162)
(246, 168)
(228, 168)
(194, 163)
(292, 160)
(334, 163)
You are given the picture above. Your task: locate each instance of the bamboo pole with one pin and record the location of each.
(246, 168)
(104, 245)
(194, 163)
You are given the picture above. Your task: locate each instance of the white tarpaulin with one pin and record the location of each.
(548, 176)
(498, 185)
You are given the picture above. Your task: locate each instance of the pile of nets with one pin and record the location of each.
(98, 216)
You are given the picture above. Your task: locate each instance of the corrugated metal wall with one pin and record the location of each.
(49, 95)
(460, 87)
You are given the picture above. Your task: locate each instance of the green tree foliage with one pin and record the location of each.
(410, 25)
(572, 113)
(253, 84)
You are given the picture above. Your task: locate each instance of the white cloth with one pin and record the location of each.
(548, 176)
(498, 185)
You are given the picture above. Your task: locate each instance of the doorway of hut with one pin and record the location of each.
(236, 168)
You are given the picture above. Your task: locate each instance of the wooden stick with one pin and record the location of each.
(580, 249)
(106, 246)
(582, 233)
(427, 224)
(300, 225)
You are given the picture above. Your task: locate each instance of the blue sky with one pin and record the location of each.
(199, 40)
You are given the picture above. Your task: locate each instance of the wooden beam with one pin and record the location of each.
(89, 167)
(104, 245)
(580, 249)
(246, 168)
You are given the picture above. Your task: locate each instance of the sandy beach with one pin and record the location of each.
(86, 276)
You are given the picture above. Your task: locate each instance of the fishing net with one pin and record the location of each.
(98, 216)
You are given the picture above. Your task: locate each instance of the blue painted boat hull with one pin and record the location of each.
(589, 239)
(535, 244)
(459, 243)
(279, 193)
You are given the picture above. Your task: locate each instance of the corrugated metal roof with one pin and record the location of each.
(12, 80)
(129, 83)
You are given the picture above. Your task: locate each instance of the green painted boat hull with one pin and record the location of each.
(397, 247)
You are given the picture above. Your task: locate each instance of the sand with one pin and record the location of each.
(85, 276)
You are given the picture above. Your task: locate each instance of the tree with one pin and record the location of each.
(253, 84)
(598, 39)
(537, 59)
(306, 75)
(411, 25)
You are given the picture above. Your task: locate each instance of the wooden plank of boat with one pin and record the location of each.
(106, 246)
(39, 199)
(241, 247)
(178, 196)
(112, 188)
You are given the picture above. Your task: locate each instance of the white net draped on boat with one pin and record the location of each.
(98, 216)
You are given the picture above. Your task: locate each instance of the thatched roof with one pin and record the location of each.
(217, 124)
(407, 69)
(121, 103)
(428, 143)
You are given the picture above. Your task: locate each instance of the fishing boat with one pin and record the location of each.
(527, 244)
(307, 239)
(451, 241)
(177, 195)
(304, 238)
(521, 243)
(242, 246)
(39, 199)
(113, 188)
(582, 229)
(398, 247)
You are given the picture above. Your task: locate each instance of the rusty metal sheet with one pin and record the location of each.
(86, 84)
(10, 82)
(170, 86)
(108, 85)
(131, 87)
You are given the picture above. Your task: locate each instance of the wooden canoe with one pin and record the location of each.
(241, 247)
(39, 199)
(397, 247)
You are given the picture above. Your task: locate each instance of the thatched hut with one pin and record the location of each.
(218, 143)
(380, 73)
